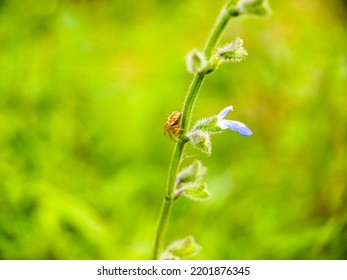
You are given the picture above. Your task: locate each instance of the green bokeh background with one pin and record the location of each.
(85, 89)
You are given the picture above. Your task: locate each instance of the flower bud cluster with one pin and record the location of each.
(197, 62)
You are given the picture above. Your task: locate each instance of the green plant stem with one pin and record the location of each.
(188, 105)
(220, 24)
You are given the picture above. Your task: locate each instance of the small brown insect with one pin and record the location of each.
(173, 125)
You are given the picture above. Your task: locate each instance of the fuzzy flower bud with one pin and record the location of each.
(181, 249)
(209, 125)
(200, 140)
(232, 52)
(196, 191)
(196, 62)
(190, 182)
(193, 173)
(253, 7)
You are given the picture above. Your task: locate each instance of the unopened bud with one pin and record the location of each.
(253, 7)
(200, 140)
(232, 52)
(196, 62)
(193, 173)
(181, 249)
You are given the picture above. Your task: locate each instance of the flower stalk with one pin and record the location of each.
(194, 88)
(201, 64)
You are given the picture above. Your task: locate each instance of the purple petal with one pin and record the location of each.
(238, 126)
(224, 112)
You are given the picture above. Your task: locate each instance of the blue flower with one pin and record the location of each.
(233, 125)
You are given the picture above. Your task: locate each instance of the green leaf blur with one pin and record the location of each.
(86, 87)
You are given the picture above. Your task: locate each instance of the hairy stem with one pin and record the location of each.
(220, 24)
(165, 213)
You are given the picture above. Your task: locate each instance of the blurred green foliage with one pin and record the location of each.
(85, 88)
